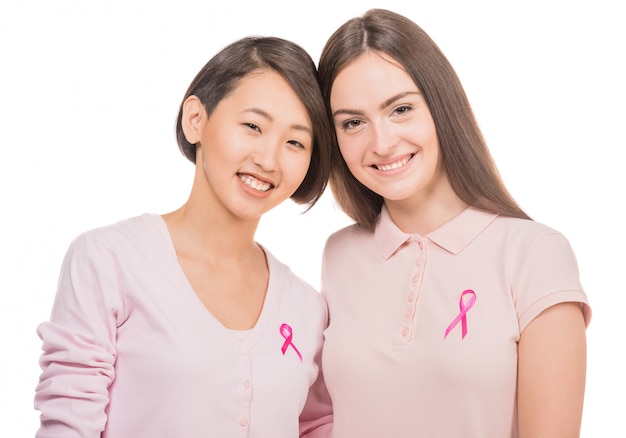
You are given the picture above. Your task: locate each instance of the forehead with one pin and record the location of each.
(260, 83)
(269, 91)
(371, 75)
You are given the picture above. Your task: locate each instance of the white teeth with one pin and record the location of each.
(392, 166)
(250, 181)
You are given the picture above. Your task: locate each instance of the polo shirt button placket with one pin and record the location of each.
(405, 330)
(418, 258)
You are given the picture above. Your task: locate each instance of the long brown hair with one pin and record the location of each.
(466, 158)
(226, 69)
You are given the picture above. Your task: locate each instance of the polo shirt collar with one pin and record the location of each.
(453, 236)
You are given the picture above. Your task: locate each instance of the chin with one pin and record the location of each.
(394, 193)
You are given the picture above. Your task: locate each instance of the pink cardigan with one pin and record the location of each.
(130, 351)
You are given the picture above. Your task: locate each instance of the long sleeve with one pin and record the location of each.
(316, 419)
(79, 344)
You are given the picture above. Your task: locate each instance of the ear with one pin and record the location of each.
(193, 116)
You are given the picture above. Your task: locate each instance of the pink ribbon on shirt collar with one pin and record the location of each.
(287, 333)
(462, 316)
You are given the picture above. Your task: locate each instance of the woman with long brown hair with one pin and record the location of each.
(452, 313)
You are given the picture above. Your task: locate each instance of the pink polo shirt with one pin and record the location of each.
(390, 368)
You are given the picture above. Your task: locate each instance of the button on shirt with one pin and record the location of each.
(390, 367)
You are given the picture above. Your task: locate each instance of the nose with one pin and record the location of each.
(267, 154)
(384, 138)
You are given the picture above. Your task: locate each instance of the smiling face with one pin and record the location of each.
(255, 148)
(385, 131)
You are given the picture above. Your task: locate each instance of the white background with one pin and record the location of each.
(89, 91)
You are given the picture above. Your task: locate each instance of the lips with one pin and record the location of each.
(255, 183)
(393, 165)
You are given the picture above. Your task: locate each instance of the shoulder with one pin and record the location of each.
(117, 237)
(526, 232)
(347, 238)
(533, 247)
(544, 269)
(527, 244)
(539, 255)
(520, 224)
(125, 227)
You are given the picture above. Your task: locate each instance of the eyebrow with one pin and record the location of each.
(383, 105)
(266, 115)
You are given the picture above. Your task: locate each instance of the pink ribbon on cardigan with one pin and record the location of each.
(462, 316)
(287, 333)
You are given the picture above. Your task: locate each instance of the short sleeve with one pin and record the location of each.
(548, 275)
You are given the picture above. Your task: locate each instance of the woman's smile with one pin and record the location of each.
(255, 183)
(396, 164)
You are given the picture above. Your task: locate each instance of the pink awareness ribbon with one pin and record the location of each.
(287, 333)
(462, 316)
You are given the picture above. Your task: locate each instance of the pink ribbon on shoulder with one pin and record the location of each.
(287, 333)
(462, 316)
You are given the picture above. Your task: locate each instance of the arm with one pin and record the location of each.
(78, 346)
(551, 373)
(316, 419)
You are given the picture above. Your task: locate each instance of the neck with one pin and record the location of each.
(426, 213)
(199, 231)
(204, 229)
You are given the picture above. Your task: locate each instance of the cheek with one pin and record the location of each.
(297, 168)
(427, 134)
(352, 154)
(431, 147)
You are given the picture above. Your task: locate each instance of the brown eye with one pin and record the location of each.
(253, 127)
(296, 143)
(351, 124)
(401, 110)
